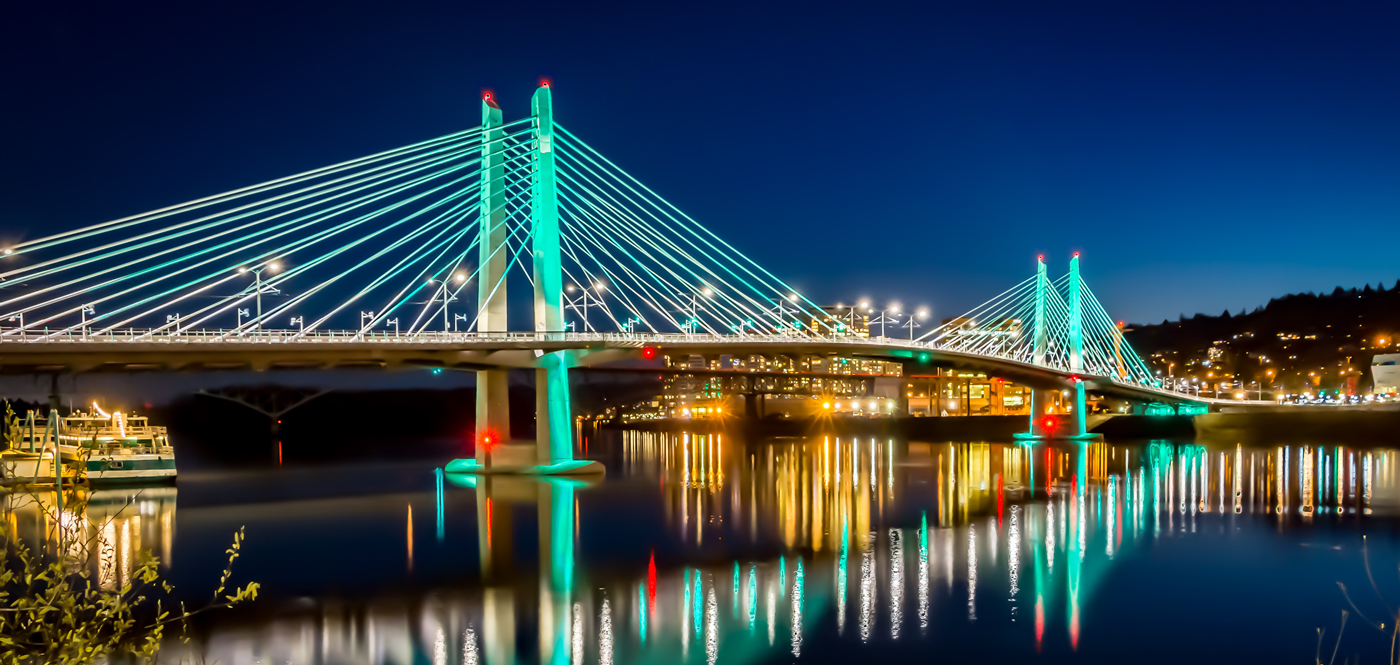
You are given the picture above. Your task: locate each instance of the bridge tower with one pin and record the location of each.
(1079, 427)
(554, 431)
(553, 418)
(492, 385)
(1043, 427)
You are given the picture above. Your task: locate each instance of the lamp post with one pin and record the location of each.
(22, 333)
(693, 321)
(865, 305)
(456, 318)
(176, 319)
(442, 293)
(300, 323)
(258, 288)
(363, 316)
(780, 310)
(884, 318)
(395, 323)
(241, 314)
(87, 309)
(580, 304)
(911, 324)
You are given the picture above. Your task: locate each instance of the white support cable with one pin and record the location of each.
(39, 243)
(319, 193)
(315, 237)
(443, 220)
(719, 289)
(665, 288)
(609, 220)
(230, 302)
(384, 313)
(285, 276)
(985, 311)
(638, 288)
(972, 315)
(336, 208)
(760, 312)
(716, 254)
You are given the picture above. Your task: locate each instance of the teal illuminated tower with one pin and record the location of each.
(492, 405)
(553, 417)
(1042, 425)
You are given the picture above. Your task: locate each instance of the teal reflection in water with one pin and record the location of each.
(787, 515)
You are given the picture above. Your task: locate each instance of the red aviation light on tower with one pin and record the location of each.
(490, 98)
(544, 83)
(649, 352)
(1076, 255)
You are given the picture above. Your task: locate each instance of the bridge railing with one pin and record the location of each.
(292, 336)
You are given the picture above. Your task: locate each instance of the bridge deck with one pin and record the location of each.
(288, 349)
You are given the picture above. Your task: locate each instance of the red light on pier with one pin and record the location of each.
(1050, 425)
(649, 352)
(487, 439)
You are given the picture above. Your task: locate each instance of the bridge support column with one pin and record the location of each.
(492, 385)
(554, 433)
(1079, 426)
(492, 411)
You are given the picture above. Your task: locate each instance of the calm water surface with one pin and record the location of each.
(709, 549)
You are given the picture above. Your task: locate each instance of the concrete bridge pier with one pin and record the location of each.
(492, 412)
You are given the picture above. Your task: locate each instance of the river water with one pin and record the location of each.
(708, 549)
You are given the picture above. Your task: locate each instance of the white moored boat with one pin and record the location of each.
(109, 447)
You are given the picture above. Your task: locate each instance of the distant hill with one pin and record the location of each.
(1309, 340)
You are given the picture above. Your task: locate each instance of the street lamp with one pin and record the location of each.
(911, 324)
(22, 332)
(580, 304)
(240, 315)
(87, 309)
(395, 323)
(456, 318)
(176, 319)
(694, 321)
(884, 318)
(258, 287)
(459, 278)
(363, 327)
(299, 322)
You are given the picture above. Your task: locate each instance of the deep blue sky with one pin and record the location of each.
(1201, 155)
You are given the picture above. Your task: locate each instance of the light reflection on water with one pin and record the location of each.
(985, 527)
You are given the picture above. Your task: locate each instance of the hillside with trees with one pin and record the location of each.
(1296, 343)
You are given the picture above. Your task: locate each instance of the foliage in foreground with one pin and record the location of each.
(53, 611)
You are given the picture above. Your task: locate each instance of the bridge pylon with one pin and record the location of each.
(554, 445)
(1044, 426)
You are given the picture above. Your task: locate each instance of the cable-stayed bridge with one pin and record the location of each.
(377, 261)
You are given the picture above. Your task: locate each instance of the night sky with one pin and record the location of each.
(1201, 155)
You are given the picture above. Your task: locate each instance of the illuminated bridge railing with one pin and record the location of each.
(439, 338)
